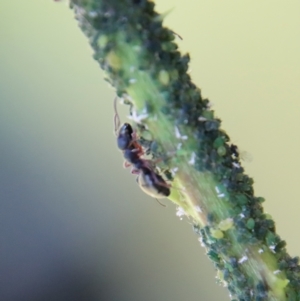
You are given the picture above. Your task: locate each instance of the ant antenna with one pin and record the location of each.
(177, 35)
(116, 117)
(160, 203)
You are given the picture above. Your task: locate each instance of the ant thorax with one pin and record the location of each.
(132, 156)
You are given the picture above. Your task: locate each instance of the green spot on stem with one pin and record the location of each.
(260, 199)
(216, 233)
(114, 60)
(271, 238)
(241, 199)
(102, 41)
(164, 77)
(169, 46)
(269, 216)
(221, 151)
(174, 74)
(208, 114)
(218, 142)
(250, 223)
(226, 224)
(213, 256)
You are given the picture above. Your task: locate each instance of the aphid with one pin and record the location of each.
(236, 153)
(148, 179)
(234, 150)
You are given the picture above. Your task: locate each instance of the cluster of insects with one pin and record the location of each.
(148, 178)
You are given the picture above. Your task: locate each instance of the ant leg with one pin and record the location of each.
(160, 203)
(126, 164)
(127, 102)
(157, 160)
(135, 172)
(136, 146)
(135, 138)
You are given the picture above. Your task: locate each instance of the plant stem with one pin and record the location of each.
(142, 62)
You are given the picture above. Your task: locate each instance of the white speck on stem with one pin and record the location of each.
(132, 80)
(179, 145)
(272, 248)
(201, 242)
(138, 118)
(198, 209)
(201, 118)
(221, 195)
(236, 165)
(243, 259)
(276, 272)
(260, 251)
(209, 104)
(180, 212)
(193, 159)
(217, 189)
(93, 14)
(178, 135)
(174, 171)
(108, 14)
(137, 48)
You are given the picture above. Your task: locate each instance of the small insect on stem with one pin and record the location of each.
(148, 179)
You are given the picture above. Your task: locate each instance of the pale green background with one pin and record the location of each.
(73, 223)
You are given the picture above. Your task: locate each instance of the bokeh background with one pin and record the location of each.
(74, 225)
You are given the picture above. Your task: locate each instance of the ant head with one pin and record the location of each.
(126, 130)
(124, 138)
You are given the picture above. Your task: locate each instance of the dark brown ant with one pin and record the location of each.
(148, 179)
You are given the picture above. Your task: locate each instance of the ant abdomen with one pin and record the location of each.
(153, 184)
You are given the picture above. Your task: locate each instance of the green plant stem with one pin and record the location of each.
(142, 62)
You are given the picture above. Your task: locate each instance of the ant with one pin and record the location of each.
(148, 179)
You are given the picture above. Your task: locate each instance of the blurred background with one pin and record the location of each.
(74, 225)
